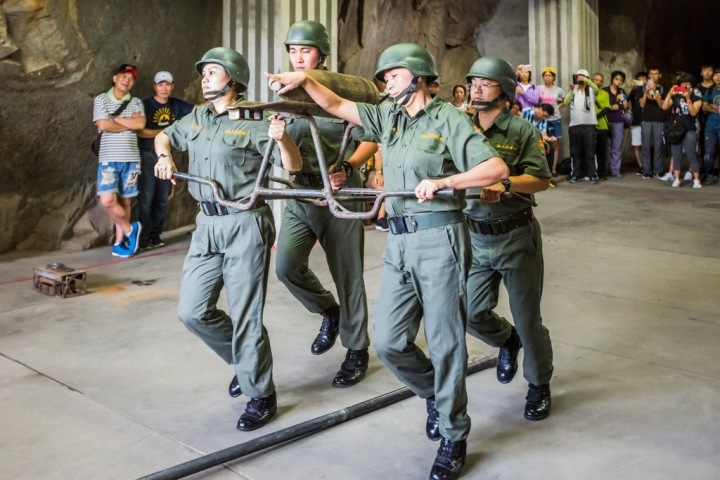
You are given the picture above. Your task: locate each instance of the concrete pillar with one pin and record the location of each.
(563, 34)
(257, 29)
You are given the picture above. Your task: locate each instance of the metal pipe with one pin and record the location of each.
(302, 429)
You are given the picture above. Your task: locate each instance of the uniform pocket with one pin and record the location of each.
(429, 155)
(193, 145)
(233, 148)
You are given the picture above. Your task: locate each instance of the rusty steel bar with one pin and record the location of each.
(341, 195)
(326, 196)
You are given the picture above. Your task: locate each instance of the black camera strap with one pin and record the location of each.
(119, 110)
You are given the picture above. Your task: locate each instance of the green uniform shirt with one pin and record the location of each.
(227, 151)
(521, 146)
(438, 142)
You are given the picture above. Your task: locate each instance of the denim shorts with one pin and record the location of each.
(118, 177)
(556, 126)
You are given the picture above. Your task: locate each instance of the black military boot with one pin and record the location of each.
(352, 369)
(328, 331)
(234, 388)
(432, 427)
(449, 461)
(538, 402)
(257, 413)
(507, 358)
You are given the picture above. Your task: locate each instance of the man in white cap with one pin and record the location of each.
(161, 111)
(583, 119)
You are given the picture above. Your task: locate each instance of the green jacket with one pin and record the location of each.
(602, 107)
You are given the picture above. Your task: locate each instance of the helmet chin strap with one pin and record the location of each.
(218, 93)
(487, 106)
(408, 92)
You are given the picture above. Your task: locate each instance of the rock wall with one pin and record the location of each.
(449, 29)
(55, 56)
(622, 37)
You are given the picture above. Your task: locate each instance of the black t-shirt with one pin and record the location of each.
(653, 113)
(680, 110)
(635, 95)
(162, 115)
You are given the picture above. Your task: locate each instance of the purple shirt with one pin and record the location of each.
(530, 98)
(616, 116)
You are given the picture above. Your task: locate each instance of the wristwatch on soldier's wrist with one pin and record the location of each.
(348, 168)
(506, 184)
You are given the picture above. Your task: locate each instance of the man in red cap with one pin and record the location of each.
(118, 116)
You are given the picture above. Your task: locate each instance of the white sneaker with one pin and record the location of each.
(688, 175)
(676, 183)
(696, 184)
(667, 177)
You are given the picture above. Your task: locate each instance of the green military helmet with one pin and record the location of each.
(495, 69)
(407, 55)
(310, 33)
(234, 63)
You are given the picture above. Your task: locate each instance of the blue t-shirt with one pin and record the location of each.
(712, 96)
(161, 115)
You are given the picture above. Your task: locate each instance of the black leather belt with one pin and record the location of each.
(309, 180)
(400, 224)
(214, 209)
(502, 225)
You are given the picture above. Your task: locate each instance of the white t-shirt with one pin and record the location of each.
(582, 108)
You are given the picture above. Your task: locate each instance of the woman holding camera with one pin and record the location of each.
(684, 105)
(616, 119)
(525, 92)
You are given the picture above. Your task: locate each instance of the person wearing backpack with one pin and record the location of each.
(583, 121)
(684, 105)
(617, 119)
(118, 116)
(711, 102)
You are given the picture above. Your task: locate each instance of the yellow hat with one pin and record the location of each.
(549, 69)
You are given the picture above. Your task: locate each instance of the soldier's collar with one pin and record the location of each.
(432, 108)
(502, 120)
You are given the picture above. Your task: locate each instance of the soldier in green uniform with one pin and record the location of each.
(506, 240)
(304, 225)
(427, 145)
(229, 248)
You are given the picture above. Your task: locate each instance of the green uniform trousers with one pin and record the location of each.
(343, 241)
(232, 251)
(424, 276)
(516, 258)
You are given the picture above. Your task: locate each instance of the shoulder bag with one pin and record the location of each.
(673, 132)
(95, 145)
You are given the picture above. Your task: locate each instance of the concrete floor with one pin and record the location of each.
(110, 385)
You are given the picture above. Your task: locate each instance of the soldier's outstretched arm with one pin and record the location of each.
(323, 96)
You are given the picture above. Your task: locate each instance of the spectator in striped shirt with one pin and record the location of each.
(118, 116)
(539, 117)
